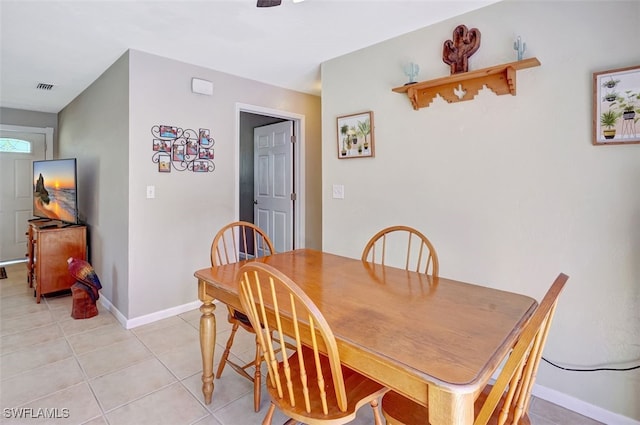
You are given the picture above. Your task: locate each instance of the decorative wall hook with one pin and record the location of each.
(520, 47)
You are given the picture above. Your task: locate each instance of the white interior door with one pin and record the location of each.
(273, 183)
(16, 192)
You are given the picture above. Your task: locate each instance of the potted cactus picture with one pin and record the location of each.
(629, 104)
(610, 83)
(355, 135)
(616, 106)
(343, 131)
(608, 120)
(364, 129)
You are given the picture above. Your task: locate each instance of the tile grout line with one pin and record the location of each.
(77, 360)
(57, 321)
(157, 358)
(181, 381)
(87, 380)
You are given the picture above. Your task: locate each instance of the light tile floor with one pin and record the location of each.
(96, 372)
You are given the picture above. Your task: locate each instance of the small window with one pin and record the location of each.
(14, 145)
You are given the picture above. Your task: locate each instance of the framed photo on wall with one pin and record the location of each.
(168, 131)
(616, 106)
(178, 153)
(164, 163)
(355, 135)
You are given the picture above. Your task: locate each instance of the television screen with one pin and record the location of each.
(55, 190)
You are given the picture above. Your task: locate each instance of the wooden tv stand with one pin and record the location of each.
(49, 244)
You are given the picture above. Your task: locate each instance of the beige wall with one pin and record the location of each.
(146, 250)
(28, 118)
(170, 236)
(94, 128)
(508, 188)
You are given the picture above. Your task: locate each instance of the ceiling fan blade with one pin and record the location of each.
(268, 3)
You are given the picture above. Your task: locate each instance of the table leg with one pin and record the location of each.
(207, 341)
(449, 408)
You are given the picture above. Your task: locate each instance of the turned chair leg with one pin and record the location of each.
(377, 420)
(257, 377)
(269, 415)
(227, 350)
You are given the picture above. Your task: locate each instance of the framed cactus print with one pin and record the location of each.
(616, 106)
(355, 135)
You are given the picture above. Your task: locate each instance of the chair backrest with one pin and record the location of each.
(273, 302)
(237, 241)
(420, 256)
(519, 372)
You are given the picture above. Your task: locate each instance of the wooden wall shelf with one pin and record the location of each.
(501, 79)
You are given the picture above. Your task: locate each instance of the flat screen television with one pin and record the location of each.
(55, 190)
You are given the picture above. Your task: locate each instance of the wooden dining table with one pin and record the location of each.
(435, 340)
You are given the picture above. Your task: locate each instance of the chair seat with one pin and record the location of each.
(399, 410)
(360, 390)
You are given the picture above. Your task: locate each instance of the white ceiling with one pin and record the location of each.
(70, 43)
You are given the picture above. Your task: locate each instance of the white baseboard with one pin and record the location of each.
(581, 407)
(148, 318)
(113, 310)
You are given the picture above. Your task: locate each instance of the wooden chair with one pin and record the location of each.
(421, 256)
(507, 400)
(238, 241)
(311, 385)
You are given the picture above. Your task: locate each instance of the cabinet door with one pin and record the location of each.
(54, 247)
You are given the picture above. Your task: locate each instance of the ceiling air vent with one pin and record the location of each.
(44, 86)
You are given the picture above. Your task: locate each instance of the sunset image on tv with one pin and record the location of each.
(54, 190)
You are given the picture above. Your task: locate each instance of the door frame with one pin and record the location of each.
(298, 165)
(47, 131)
(48, 151)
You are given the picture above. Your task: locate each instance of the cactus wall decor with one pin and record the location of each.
(456, 52)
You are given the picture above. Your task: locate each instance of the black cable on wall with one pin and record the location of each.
(597, 369)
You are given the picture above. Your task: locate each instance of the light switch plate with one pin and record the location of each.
(338, 191)
(151, 192)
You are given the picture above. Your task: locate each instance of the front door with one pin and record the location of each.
(16, 191)
(273, 183)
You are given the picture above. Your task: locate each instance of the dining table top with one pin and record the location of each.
(437, 330)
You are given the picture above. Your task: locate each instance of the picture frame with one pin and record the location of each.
(158, 145)
(204, 137)
(192, 148)
(181, 149)
(355, 136)
(205, 153)
(200, 166)
(164, 163)
(178, 153)
(161, 145)
(616, 106)
(168, 132)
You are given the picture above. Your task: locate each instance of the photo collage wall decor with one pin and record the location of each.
(182, 149)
